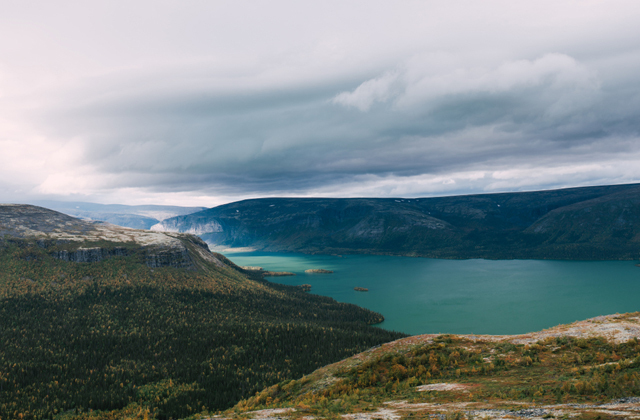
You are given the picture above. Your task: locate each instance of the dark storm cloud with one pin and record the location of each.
(549, 109)
(449, 99)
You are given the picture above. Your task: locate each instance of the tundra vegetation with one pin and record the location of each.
(423, 378)
(116, 339)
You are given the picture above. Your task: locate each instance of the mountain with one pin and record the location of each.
(585, 370)
(102, 322)
(577, 223)
(136, 217)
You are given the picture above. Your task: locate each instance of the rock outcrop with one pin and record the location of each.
(176, 225)
(170, 257)
(89, 255)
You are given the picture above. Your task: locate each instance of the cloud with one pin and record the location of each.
(408, 123)
(204, 102)
(380, 89)
(558, 81)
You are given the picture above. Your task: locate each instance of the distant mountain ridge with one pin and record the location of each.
(135, 217)
(601, 222)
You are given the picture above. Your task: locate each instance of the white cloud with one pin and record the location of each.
(560, 81)
(380, 89)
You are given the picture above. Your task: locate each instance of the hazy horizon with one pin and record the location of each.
(43, 202)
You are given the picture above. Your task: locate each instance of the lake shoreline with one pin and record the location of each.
(471, 296)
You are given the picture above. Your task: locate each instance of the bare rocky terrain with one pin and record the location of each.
(76, 240)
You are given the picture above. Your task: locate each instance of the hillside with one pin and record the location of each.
(109, 323)
(577, 223)
(585, 370)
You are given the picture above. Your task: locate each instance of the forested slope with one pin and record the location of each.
(130, 339)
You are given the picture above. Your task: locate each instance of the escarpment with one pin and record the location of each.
(88, 255)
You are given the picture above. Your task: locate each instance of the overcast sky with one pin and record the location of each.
(206, 102)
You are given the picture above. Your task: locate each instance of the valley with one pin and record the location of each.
(107, 322)
(312, 210)
(135, 217)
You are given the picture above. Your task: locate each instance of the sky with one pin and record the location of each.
(206, 102)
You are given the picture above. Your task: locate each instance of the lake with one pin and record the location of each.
(421, 295)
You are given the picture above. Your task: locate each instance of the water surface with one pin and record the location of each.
(421, 295)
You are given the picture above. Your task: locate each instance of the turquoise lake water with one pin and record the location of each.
(420, 295)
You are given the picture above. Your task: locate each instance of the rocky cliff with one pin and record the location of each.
(89, 255)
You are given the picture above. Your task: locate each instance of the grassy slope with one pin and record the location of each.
(496, 376)
(120, 338)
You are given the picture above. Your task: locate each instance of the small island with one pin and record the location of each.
(277, 273)
(318, 271)
(360, 289)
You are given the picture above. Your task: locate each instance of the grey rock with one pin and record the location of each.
(177, 258)
(89, 255)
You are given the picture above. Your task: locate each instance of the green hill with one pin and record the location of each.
(104, 322)
(578, 223)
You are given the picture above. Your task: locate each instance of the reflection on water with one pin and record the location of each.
(420, 295)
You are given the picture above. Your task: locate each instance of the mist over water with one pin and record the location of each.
(421, 295)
